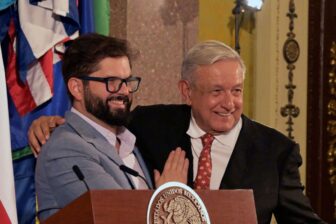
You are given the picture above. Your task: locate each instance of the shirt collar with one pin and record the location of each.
(127, 139)
(228, 138)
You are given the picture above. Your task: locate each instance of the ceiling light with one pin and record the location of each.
(253, 4)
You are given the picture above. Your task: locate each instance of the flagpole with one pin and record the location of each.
(7, 187)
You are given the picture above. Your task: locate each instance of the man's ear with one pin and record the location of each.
(185, 91)
(76, 88)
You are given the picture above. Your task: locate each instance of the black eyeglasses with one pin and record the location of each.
(113, 84)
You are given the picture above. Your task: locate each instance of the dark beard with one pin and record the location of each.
(101, 110)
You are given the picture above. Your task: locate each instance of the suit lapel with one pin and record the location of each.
(240, 158)
(185, 144)
(239, 161)
(92, 136)
(102, 145)
(184, 141)
(143, 167)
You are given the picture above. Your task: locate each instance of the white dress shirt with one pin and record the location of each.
(221, 150)
(127, 143)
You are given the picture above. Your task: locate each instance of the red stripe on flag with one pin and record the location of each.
(20, 92)
(4, 218)
(46, 62)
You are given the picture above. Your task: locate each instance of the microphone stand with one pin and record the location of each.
(134, 173)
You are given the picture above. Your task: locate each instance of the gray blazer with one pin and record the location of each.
(77, 143)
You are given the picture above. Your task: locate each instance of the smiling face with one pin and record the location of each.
(215, 95)
(108, 109)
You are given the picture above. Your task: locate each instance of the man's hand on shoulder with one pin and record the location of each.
(40, 129)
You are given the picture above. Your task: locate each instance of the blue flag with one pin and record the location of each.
(74, 19)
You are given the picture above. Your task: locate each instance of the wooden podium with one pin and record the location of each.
(130, 206)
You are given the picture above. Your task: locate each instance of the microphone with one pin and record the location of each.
(134, 173)
(80, 176)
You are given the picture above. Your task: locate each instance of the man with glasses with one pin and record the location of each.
(93, 143)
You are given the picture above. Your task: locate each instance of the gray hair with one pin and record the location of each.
(207, 53)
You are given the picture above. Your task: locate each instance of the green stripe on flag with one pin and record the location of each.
(102, 16)
(26, 151)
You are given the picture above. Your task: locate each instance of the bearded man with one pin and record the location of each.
(94, 140)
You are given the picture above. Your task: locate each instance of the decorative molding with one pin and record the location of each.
(291, 53)
(331, 121)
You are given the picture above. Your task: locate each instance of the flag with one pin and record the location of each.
(5, 10)
(4, 219)
(24, 161)
(34, 79)
(34, 31)
(102, 16)
(35, 83)
(6, 3)
(7, 188)
(86, 16)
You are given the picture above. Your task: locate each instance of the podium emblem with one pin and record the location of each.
(176, 203)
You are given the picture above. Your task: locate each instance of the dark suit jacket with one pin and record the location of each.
(263, 160)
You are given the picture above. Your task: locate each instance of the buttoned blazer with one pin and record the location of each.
(263, 160)
(77, 143)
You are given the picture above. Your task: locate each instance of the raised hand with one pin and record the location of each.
(175, 169)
